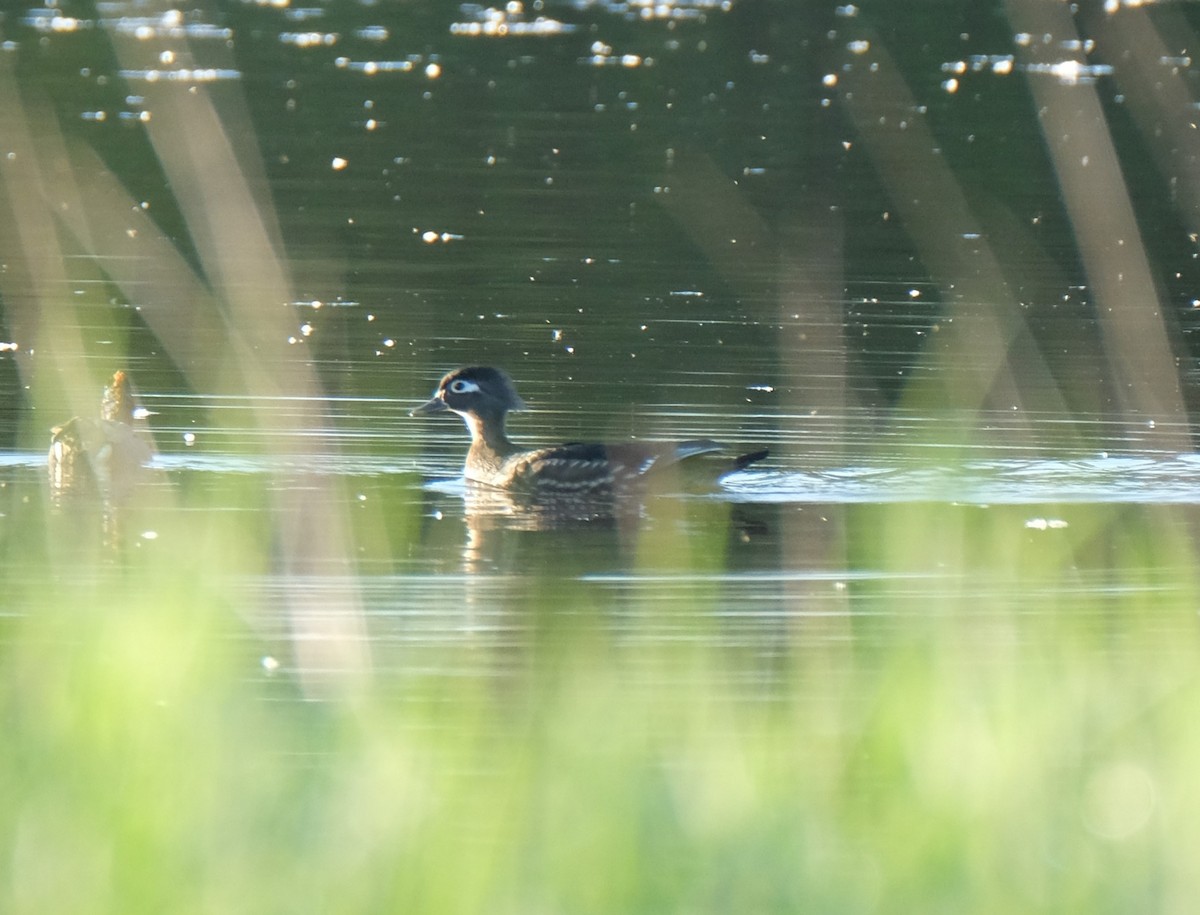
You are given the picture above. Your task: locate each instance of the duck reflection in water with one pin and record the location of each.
(105, 457)
(574, 483)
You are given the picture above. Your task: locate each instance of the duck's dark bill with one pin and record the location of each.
(436, 405)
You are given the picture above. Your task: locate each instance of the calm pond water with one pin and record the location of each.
(942, 262)
(834, 232)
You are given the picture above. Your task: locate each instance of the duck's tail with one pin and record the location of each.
(741, 462)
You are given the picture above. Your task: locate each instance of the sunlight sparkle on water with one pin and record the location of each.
(509, 22)
(308, 39)
(182, 75)
(53, 21)
(431, 237)
(373, 67)
(1046, 524)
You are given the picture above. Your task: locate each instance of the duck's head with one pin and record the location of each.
(475, 391)
(117, 403)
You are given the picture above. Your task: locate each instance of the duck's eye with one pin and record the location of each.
(462, 386)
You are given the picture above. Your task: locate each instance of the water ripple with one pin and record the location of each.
(1097, 479)
(1104, 478)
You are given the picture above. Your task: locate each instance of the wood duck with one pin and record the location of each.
(106, 454)
(483, 396)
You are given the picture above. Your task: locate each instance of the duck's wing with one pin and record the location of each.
(585, 468)
(641, 458)
(575, 467)
(653, 458)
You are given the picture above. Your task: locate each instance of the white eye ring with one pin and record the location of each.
(462, 386)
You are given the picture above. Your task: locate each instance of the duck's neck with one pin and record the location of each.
(488, 437)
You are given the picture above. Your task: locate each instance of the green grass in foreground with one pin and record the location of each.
(990, 737)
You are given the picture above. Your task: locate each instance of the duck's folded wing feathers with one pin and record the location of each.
(575, 467)
(579, 466)
(641, 458)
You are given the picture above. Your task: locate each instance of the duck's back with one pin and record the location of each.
(586, 468)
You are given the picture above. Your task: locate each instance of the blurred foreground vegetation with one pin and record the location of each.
(995, 718)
